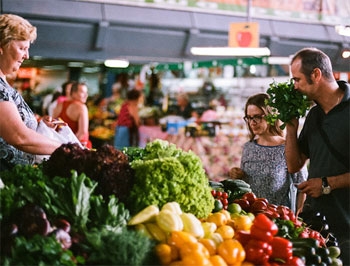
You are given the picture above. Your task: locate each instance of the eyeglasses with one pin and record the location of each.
(255, 118)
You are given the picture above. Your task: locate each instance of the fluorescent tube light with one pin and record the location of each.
(75, 64)
(276, 60)
(230, 51)
(116, 63)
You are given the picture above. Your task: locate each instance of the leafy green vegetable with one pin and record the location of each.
(39, 251)
(167, 174)
(74, 198)
(113, 215)
(133, 153)
(119, 248)
(287, 103)
(287, 229)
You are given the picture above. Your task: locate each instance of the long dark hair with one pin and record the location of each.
(259, 100)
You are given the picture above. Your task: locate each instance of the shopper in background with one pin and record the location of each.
(57, 97)
(128, 122)
(263, 162)
(112, 104)
(75, 112)
(325, 140)
(48, 99)
(19, 141)
(66, 91)
(184, 107)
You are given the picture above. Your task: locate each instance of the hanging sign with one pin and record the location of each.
(244, 34)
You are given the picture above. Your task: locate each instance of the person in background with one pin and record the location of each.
(325, 141)
(128, 122)
(263, 162)
(210, 114)
(112, 104)
(184, 107)
(50, 101)
(75, 112)
(19, 141)
(66, 92)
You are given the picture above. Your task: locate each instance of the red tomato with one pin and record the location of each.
(250, 197)
(218, 194)
(263, 200)
(224, 202)
(258, 206)
(224, 195)
(213, 192)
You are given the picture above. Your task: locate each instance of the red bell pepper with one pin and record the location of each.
(257, 252)
(243, 237)
(295, 261)
(282, 249)
(263, 222)
(261, 234)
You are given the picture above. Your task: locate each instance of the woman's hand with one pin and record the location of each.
(236, 173)
(53, 123)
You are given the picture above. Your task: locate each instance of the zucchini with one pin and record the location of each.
(305, 242)
(304, 251)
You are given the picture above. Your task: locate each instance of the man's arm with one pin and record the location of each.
(295, 158)
(313, 187)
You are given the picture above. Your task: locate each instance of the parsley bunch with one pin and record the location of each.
(286, 102)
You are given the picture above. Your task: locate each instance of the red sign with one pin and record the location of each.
(244, 34)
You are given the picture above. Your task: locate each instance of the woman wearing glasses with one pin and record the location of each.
(263, 162)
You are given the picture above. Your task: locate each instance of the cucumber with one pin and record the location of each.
(233, 184)
(214, 184)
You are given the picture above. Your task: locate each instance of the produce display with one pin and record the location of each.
(165, 173)
(287, 102)
(58, 213)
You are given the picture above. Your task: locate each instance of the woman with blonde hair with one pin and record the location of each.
(19, 141)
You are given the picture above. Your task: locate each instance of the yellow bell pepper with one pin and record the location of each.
(231, 251)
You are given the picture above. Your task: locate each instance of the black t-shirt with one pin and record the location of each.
(336, 124)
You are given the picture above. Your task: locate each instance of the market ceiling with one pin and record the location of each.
(91, 31)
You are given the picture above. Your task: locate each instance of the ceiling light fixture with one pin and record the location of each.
(343, 30)
(346, 54)
(116, 63)
(230, 51)
(76, 64)
(276, 60)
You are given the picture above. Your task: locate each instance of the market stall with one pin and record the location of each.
(162, 212)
